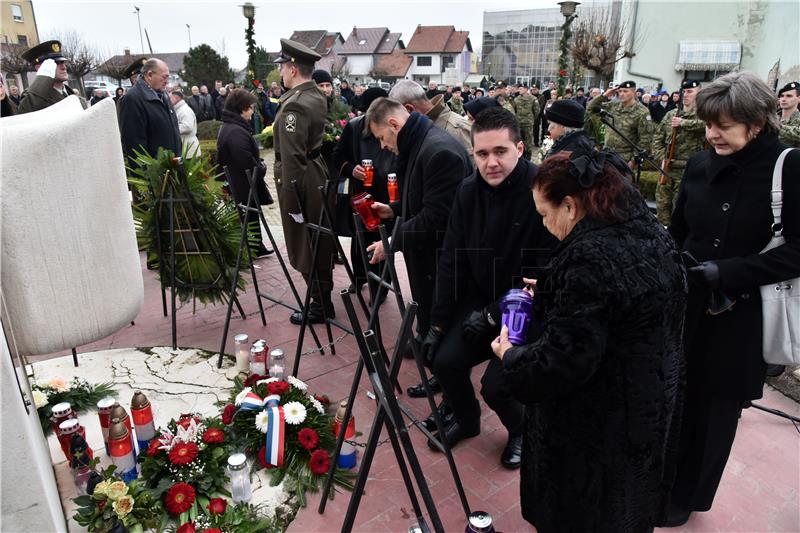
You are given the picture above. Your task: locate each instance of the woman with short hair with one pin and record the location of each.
(722, 221)
(602, 382)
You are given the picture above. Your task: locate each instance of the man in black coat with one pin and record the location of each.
(147, 119)
(432, 164)
(494, 238)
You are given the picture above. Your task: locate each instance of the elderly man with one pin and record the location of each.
(433, 90)
(187, 123)
(410, 94)
(50, 85)
(13, 95)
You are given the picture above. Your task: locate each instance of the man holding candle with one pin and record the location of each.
(494, 238)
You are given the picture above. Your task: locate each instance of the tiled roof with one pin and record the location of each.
(310, 38)
(364, 40)
(174, 60)
(329, 42)
(389, 43)
(437, 40)
(394, 65)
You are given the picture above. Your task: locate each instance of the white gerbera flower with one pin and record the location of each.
(262, 421)
(266, 381)
(296, 383)
(240, 397)
(294, 413)
(39, 398)
(317, 405)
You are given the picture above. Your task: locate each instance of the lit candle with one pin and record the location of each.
(121, 447)
(143, 420)
(240, 478)
(242, 352)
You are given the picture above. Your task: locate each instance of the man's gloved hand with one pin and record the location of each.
(430, 345)
(706, 273)
(477, 325)
(48, 68)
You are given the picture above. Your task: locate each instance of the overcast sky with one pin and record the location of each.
(111, 26)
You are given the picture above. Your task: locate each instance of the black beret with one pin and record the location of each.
(42, 51)
(295, 52)
(321, 76)
(566, 112)
(627, 85)
(477, 105)
(791, 86)
(690, 84)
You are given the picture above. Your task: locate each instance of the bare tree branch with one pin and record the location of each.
(597, 43)
(11, 61)
(82, 58)
(115, 66)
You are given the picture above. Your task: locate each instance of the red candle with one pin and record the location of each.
(362, 203)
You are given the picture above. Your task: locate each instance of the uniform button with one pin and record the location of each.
(726, 206)
(716, 243)
(746, 296)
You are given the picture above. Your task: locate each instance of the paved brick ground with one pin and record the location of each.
(759, 491)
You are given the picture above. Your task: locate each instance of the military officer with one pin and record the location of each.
(690, 136)
(788, 99)
(526, 107)
(629, 116)
(456, 102)
(134, 69)
(50, 86)
(298, 133)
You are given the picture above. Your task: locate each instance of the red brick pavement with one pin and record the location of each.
(759, 492)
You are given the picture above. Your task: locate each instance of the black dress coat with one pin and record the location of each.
(723, 214)
(147, 122)
(238, 151)
(572, 141)
(603, 382)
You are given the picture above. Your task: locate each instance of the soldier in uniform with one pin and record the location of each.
(538, 133)
(50, 86)
(298, 133)
(690, 136)
(456, 102)
(630, 117)
(526, 107)
(788, 100)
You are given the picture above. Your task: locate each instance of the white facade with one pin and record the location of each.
(768, 32)
(452, 73)
(359, 67)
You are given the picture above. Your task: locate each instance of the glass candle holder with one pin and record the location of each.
(362, 204)
(369, 172)
(241, 492)
(517, 309)
(391, 187)
(242, 352)
(258, 358)
(277, 364)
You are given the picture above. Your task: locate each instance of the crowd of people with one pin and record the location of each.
(622, 402)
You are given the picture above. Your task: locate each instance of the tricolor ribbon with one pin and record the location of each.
(252, 402)
(275, 430)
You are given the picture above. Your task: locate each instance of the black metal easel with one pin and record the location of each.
(640, 155)
(253, 206)
(183, 198)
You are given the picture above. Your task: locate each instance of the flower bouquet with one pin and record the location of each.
(79, 393)
(219, 517)
(287, 428)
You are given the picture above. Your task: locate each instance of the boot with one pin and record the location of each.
(315, 314)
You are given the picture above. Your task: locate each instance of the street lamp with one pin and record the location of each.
(568, 9)
(249, 12)
(139, 18)
(189, 29)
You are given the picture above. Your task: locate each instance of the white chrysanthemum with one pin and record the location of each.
(294, 413)
(240, 397)
(39, 398)
(266, 381)
(317, 405)
(262, 421)
(296, 383)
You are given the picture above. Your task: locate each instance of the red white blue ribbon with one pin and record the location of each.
(275, 430)
(252, 402)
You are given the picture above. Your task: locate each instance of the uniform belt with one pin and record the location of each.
(313, 154)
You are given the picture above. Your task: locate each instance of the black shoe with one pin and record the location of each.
(418, 391)
(445, 414)
(774, 371)
(453, 434)
(315, 315)
(262, 251)
(676, 516)
(512, 454)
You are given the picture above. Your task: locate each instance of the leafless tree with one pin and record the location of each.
(114, 67)
(82, 58)
(13, 63)
(340, 70)
(598, 43)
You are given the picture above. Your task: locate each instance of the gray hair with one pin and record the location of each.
(407, 92)
(739, 96)
(151, 65)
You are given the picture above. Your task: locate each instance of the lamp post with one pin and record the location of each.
(139, 18)
(249, 12)
(568, 10)
(189, 29)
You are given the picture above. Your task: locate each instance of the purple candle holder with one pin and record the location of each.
(517, 309)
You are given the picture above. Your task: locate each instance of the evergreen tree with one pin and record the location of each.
(202, 65)
(262, 63)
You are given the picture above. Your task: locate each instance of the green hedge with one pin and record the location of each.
(208, 130)
(647, 185)
(209, 149)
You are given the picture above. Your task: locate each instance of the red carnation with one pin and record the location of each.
(562, 72)
(227, 413)
(252, 379)
(323, 399)
(152, 449)
(213, 436)
(262, 458)
(308, 438)
(278, 387)
(179, 499)
(320, 462)
(185, 420)
(188, 527)
(217, 506)
(183, 453)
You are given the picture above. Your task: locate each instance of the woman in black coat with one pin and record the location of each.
(565, 126)
(238, 151)
(722, 219)
(603, 383)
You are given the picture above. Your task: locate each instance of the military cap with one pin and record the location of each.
(792, 86)
(480, 89)
(42, 51)
(690, 84)
(534, 86)
(297, 53)
(492, 87)
(500, 83)
(580, 89)
(627, 85)
(456, 89)
(135, 67)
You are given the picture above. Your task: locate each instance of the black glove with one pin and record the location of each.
(477, 325)
(706, 273)
(430, 345)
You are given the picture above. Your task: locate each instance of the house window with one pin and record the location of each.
(22, 39)
(16, 12)
(424, 61)
(448, 61)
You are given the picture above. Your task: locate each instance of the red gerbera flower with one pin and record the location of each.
(179, 498)
(278, 387)
(320, 462)
(188, 527)
(227, 414)
(308, 438)
(217, 506)
(152, 449)
(213, 436)
(183, 453)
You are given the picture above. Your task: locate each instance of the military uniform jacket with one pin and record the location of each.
(456, 106)
(790, 130)
(41, 94)
(691, 137)
(527, 108)
(633, 121)
(298, 132)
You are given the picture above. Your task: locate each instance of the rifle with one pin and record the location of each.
(662, 180)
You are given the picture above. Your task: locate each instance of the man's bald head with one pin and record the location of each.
(155, 73)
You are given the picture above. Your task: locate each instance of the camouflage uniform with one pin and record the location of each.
(690, 139)
(790, 130)
(508, 106)
(456, 106)
(527, 109)
(633, 121)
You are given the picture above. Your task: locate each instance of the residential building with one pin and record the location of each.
(174, 61)
(18, 23)
(440, 54)
(364, 48)
(327, 44)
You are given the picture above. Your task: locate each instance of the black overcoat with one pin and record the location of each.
(237, 150)
(723, 214)
(147, 122)
(603, 383)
